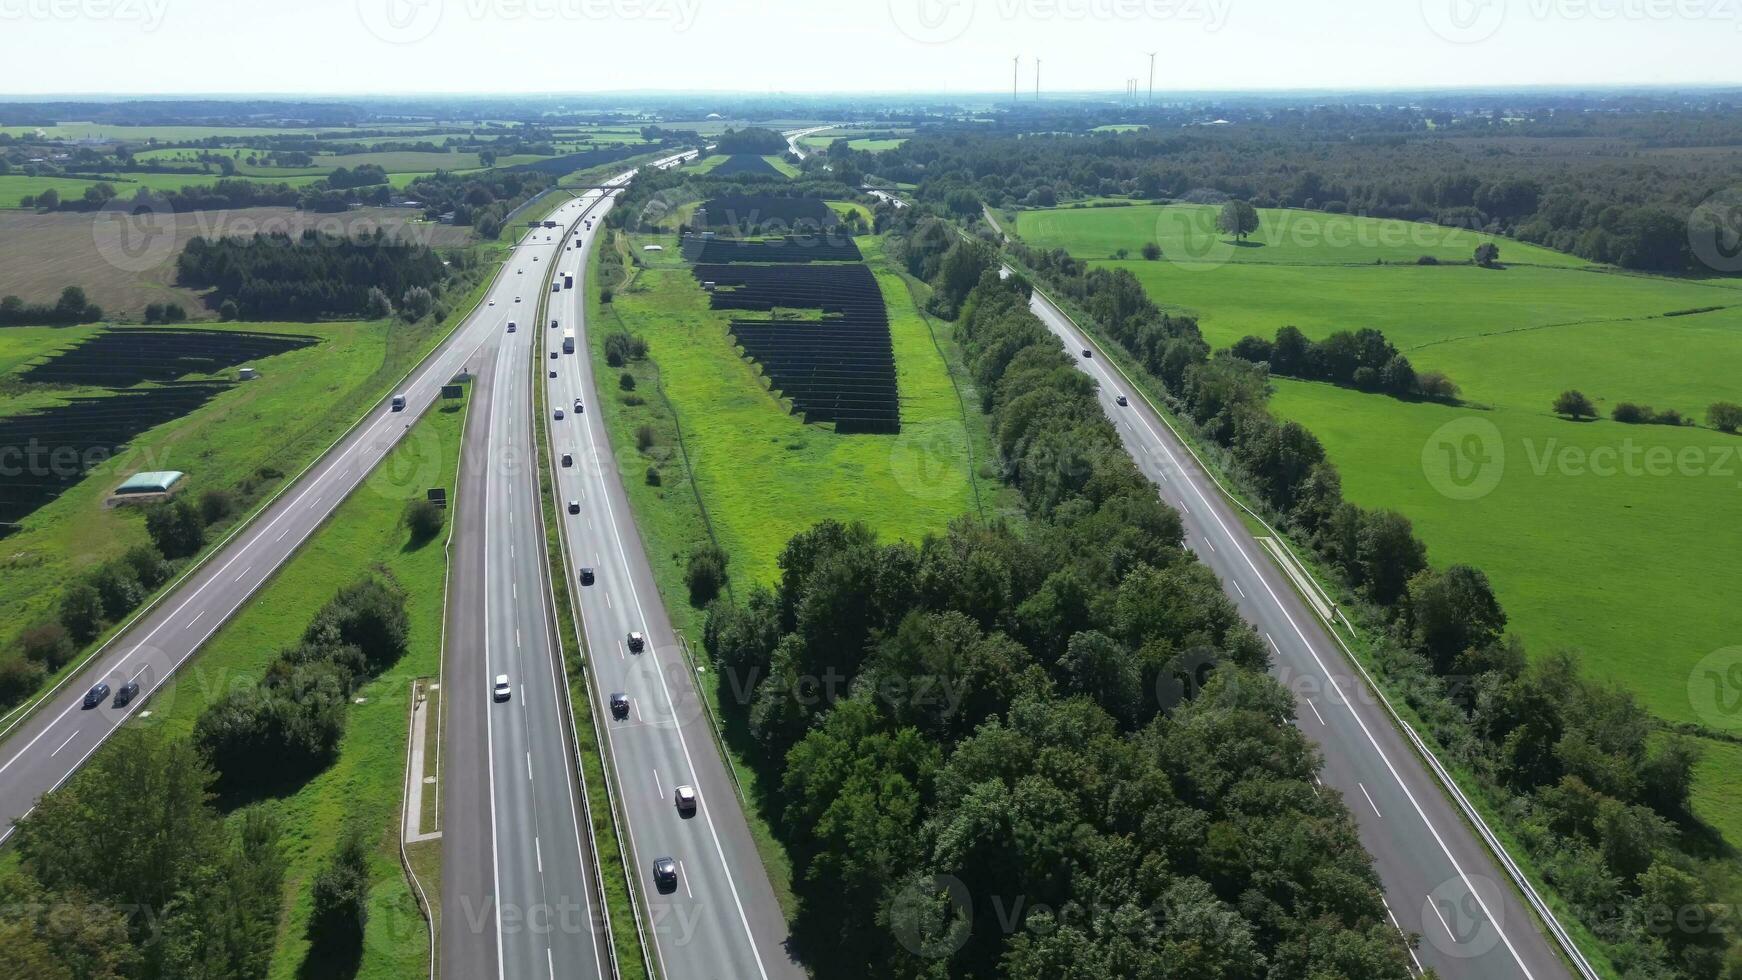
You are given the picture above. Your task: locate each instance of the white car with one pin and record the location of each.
(501, 691)
(686, 799)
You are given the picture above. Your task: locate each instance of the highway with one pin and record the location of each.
(1439, 880)
(516, 853)
(52, 741)
(721, 918)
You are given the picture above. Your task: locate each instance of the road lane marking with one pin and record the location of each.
(1315, 708)
(1369, 796)
(138, 672)
(686, 885)
(1207, 541)
(194, 620)
(281, 535)
(244, 574)
(529, 767)
(63, 745)
(1237, 587)
(538, 853)
(1436, 907)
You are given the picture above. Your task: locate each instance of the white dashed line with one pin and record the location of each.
(1369, 796)
(63, 745)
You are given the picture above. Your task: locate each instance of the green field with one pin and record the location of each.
(362, 787)
(763, 474)
(21, 344)
(15, 186)
(1592, 539)
(821, 141)
(1187, 235)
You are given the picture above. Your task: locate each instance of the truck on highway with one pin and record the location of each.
(568, 280)
(568, 341)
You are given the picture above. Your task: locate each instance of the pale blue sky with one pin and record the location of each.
(390, 46)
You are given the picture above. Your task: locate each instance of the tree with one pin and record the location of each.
(626, 381)
(377, 306)
(416, 303)
(46, 644)
(705, 575)
(1389, 554)
(341, 899)
(176, 528)
(1487, 255)
(1573, 404)
(48, 200)
(1151, 251)
(81, 612)
(1450, 612)
(1238, 218)
(425, 518)
(1724, 416)
(368, 614)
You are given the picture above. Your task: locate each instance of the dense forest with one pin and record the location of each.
(313, 275)
(1625, 199)
(1594, 792)
(995, 749)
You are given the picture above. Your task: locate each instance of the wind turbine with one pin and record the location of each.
(1151, 99)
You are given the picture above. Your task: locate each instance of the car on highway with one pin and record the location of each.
(587, 576)
(619, 705)
(126, 693)
(501, 691)
(512, 326)
(1086, 352)
(516, 299)
(574, 506)
(553, 324)
(520, 272)
(686, 800)
(553, 356)
(399, 403)
(97, 695)
(636, 642)
(559, 415)
(578, 408)
(665, 874)
(1122, 400)
(568, 459)
(553, 370)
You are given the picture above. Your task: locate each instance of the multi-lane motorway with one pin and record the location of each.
(1439, 881)
(721, 918)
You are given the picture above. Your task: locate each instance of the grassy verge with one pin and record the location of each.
(363, 786)
(633, 960)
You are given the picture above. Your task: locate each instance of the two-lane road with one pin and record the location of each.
(721, 918)
(1439, 881)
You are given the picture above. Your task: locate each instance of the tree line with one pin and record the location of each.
(275, 276)
(72, 307)
(1362, 359)
(1040, 752)
(1591, 788)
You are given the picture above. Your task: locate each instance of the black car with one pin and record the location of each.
(96, 695)
(1088, 353)
(636, 642)
(126, 693)
(619, 705)
(586, 576)
(574, 506)
(665, 874)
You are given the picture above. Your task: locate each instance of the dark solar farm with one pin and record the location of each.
(48, 450)
(752, 215)
(837, 368)
(784, 248)
(745, 163)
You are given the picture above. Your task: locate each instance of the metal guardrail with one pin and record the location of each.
(1520, 880)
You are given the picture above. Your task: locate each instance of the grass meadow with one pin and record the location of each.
(1598, 536)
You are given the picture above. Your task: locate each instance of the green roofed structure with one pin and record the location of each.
(155, 481)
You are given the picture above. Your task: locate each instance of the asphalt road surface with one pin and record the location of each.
(721, 918)
(1439, 881)
(518, 891)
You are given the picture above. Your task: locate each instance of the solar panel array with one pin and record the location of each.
(839, 368)
(785, 248)
(746, 163)
(770, 214)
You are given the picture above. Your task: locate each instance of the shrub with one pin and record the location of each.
(376, 306)
(176, 528)
(117, 589)
(1487, 254)
(1427, 260)
(19, 678)
(368, 614)
(261, 735)
(424, 518)
(47, 645)
(217, 505)
(1724, 416)
(621, 348)
(148, 566)
(1151, 251)
(605, 296)
(644, 437)
(626, 381)
(1630, 413)
(228, 310)
(341, 898)
(653, 479)
(81, 612)
(705, 574)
